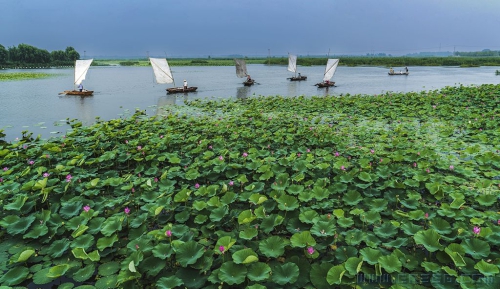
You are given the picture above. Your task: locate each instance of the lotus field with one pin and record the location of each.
(358, 191)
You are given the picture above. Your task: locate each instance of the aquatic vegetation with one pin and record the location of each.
(24, 75)
(324, 192)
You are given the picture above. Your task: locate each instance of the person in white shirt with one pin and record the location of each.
(185, 84)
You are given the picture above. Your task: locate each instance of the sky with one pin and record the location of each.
(201, 28)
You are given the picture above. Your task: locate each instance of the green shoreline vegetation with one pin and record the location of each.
(266, 192)
(24, 75)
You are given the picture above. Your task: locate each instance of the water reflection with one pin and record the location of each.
(164, 102)
(243, 92)
(292, 88)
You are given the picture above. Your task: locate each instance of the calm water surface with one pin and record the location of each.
(35, 106)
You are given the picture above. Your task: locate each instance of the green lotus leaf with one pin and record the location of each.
(66, 285)
(429, 238)
(216, 214)
(137, 221)
(17, 204)
(478, 249)
(84, 241)
(338, 187)
(345, 222)
(14, 276)
(323, 229)
(339, 213)
(41, 278)
(169, 282)
(71, 208)
(84, 273)
(248, 233)
(108, 268)
(366, 177)
(371, 217)
(105, 242)
(107, 282)
(182, 196)
(302, 239)
(457, 203)
(457, 257)
(21, 225)
(257, 199)
(258, 272)
(335, 274)
(200, 219)
(370, 255)
(269, 223)
(308, 217)
(225, 241)
(163, 251)
(486, 269)
(352, 198)
(199, 205)
(346, 178)
(85, 287)
(25, 255)
(431, 267)
(188, 253)
(441, 226)
(286, 273)
(354, 237)
(295, 189)
(79, 231)
(320, 193)
(272, 247)
(245, 256)
(246, 217)
(390, 263)
(318, 275)
(58, 271)
(232, 273)
(397, 243)
(228, 198)
(287, 203)
(256, 286)
(111, 225)
(353, 265)
(487, 200)
(376, 205)
(386, 230)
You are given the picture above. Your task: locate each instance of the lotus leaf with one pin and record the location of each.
(287, 203)
(232, 273)
(169, 282)
(248, 233)
(323, 228)
(318, 275)
(245, 256)
(335, 274)
(353, 265)
(284, 274)
(478, 249)
(269, 223)
(107, 282)
(21, 225)
(272, 247)
(370, 255)
(302, 239)
(429, 238)
(108, 268)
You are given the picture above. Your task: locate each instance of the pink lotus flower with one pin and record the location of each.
(126, 141)
(452, 168)
(231, 183)
(372, 151)
(197, 186)
(342, 168)
(46, 175)
(310, 250)
(127, 210)
(139, 148)
(337, 154)
(299, 154)
(499, 222)
(426, 215)
(418, 153)
(221, 249)
(68, 178)
(308, 150)
(221, 158)
(414, 165)
(86, 208)
(156, 180)
(136, 247)
(477, 230)
(1, 180)
(168, 233)
(5, 169)
(161, 136)
(210, 147)
(31, 162)
(381, 160)
(245, 155)
(428, 171)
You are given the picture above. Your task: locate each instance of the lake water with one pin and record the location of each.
(35, 106)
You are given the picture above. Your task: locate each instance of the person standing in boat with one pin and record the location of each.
(406, 69)
(391, 70)
(80, 87)
(249, 79)
(185, 84)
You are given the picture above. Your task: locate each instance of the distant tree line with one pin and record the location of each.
(25, 55)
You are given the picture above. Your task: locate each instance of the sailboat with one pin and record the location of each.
(163, 74)
(81, 68)
(292, 67)
(331, 67)
(241, 71)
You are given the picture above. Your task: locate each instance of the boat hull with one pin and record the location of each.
(398, 73)
(249, 83)
(322, 84)
(298, 78)
(77, 92)
(181, 89)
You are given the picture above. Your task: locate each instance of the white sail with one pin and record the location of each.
(331, 66)
(81, 68)
(292, 63)
(241, 68)
(162, 71)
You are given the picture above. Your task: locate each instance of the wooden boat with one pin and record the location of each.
(163, 74)
(398, 73)
(77, 92)
(292, 67)
(331, 67)
(241, 71)
(181, 89)
(249, 82)
(81, 69)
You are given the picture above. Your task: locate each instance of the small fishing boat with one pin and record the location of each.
(331, 67)
(292, 67)
(81, 69)
(163, 74)
(398, 73)
(241, 71)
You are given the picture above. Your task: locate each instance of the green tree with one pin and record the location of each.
(72, 54)
(4, 54)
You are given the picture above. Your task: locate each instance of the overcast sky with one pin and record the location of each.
(251, 28)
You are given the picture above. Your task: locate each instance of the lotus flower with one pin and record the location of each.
(31, 162)
(245, 155)
(310, 250)
(127, 210)
(342, 168)
(414, 165)
(197, 185)
(426, 215)
(452, 168)
(477, 230)
(68, 178)
(86, 208)
(372, 151)
(1, 180)
(308, 150)
(337, 154)
(5, 169)
(299, 154)
(221, 249)
(428, 171)
(231, 183)
(221, 158)
(133, 190)
(210, 147)
(46, 175)
(139, 148)
(168, 233)
(156, 180)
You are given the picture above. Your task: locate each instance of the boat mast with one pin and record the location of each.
(74, 78)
